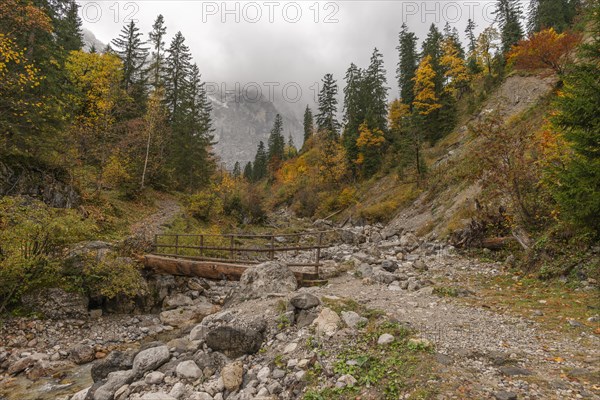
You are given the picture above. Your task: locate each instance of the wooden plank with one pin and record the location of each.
(205, 269)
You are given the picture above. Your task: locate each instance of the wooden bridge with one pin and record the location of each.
(226, 256)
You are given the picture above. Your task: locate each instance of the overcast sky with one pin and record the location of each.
(289, 43)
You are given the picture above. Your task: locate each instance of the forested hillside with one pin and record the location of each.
(95, 134)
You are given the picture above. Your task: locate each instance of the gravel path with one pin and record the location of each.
(168, 208)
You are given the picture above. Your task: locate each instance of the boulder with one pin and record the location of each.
(304, 301)
(113, 382)
(327, 323)
(21, 365)
(409, 241)
(184, 316)
(176, 301)
(269, 277)
(188, 370)
(154, 378)
(115, 361)
(383, 277)
(237, 338)
(150, 359)
(57, 304)
(232, 375)
(389, 266)
(386, 338)
(82, 354)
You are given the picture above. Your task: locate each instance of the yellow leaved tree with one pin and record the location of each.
(456, 72)
(426, 100)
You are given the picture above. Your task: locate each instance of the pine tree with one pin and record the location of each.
(326, 118)
(157, 59)
(259, 167)
(237, 170)
(508, 13)
(557, 14)
(131, 50)
(472, 48)
(308, 125)
(248, 174)
(376, 90)
(290, 148)
(577, 188)
(432, 47)
(407, 65)
(354, 111)
(69, 29)
(177, 67)
(276, 144)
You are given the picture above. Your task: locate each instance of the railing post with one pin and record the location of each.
(177, 244)
(272, 247)
(155, 243)
(319, 242)
(201, 245)
(231, 244)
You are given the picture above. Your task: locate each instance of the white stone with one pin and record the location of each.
(386, 338)
(188, 370)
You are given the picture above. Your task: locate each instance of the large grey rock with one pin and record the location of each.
(269, 277)
(327, 323)
(57, 304)
(304, 301)
(188, 370)
(113, 382)
(150, 359)
(389, 265)
(177, 300)
(115, 361)
(409, 241)
(238, 338)
(353, 319)
(383, 277)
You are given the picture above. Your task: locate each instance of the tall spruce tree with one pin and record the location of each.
(157, 58)
(259, 167)
(508, 14)
(375, 82)
(177, 67)
(69, 28)
(132, 51)
(326, 118)
(309, 125)
(407, 65)
(472, 64)
(276, 144)
(248, 175)
(354, 111)
(237, 170)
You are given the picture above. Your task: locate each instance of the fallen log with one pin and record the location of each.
(206, 269)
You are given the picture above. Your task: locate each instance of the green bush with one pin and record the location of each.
(33, 237)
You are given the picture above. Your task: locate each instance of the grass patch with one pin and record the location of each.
(382, 372)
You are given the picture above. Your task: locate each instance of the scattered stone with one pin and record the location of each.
(232, 375)
(290, 348)
(115, 361)
(389, 266)
(327, 323)
(188, 370)
(420, 266)
(57, 304)
(158, 396)
(352, 319)
(184, 316)
(346, 380)
(386, 338)
(237, 340)
(263, 374)
(515, 371)
(176, 301)
(504, 395)
(304, 301)
(154, 378)
(95, 314)
(82, 354)
(420, 343)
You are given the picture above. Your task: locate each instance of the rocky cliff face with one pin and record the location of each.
(241, 122)
(26, 178)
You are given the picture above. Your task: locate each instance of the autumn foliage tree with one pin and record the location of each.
(545, 49)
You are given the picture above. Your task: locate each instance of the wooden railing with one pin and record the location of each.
(295, 250)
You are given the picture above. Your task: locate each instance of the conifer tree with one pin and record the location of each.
(276, 144)
(326, 118)
(290, 148)
(259, 167)
(472, 47)
(432, 47)
(544, 14)
(69, 28)
(354, 110)
(157, 58)
(308, 125)
(248, 175)
(177, 67)
(407, 65)
(375, 82)
(132, 51)
(508, 13)
(237, 170)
